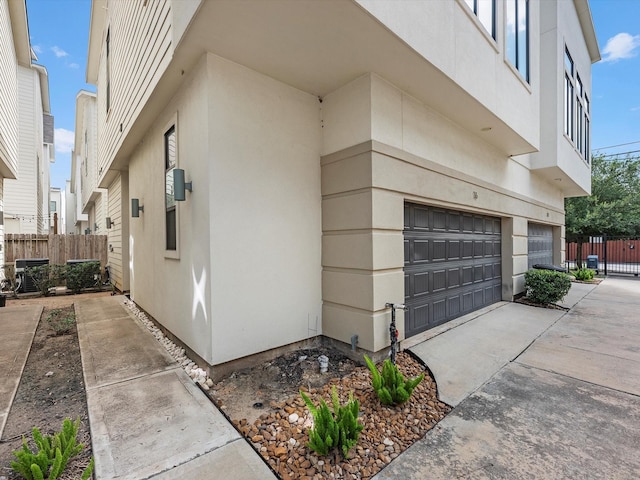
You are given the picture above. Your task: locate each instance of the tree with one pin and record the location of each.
(613, 207)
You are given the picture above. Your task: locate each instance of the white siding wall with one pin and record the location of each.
(1, 227)
(21, 195)
(140, 34)
(8, 92)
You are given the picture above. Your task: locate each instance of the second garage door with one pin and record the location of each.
(452, 265)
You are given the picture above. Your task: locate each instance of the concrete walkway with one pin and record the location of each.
(17, 327)
(148, 419)
(537, 393)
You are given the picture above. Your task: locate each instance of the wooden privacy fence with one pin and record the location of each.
(57, 248)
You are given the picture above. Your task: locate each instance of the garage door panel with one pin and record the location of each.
(420, 284)
(540, 244)
(439, 220)
(420, 251)
(458, 271)
(455, 248)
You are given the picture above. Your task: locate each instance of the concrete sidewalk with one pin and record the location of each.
(563, 404)
(148, 419)
(17, 327)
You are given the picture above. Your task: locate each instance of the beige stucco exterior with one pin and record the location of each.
(303, 154)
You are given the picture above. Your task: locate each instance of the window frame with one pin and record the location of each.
(474, 6)
(577, 115)
(108, 70)
(170, 206)
(522, 66)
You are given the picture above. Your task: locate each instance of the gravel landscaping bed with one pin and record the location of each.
(280, 435)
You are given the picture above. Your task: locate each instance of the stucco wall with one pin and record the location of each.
(448, 35)
(264, 150)
(246, 275)
(413, 154)
(164, 283)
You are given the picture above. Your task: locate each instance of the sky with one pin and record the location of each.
(59, 31)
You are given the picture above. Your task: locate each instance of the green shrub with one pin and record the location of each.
(41, 277)
(391, 387)
(52, 455)
(82, 275)
(584, 274)
(545, 286)
(339, 429)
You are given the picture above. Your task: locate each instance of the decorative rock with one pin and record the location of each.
(388, 442)
(48, 374)
(293, 418)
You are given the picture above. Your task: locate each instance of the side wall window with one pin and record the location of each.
(576, 108)
(170, 156)
(108, 86)
(517, 35)
(485, 10)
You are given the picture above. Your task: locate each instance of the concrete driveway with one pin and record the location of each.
(564, 405)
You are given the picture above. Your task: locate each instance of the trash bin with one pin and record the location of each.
(592, 262)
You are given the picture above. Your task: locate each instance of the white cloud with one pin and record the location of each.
(635, 109)
(59, 52)
(73, 65)
(620, 46)
(64, 140)
(37, 48)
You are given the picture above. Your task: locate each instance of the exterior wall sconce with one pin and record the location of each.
(136, 208)
(87, 231)
(179, 185)
(110, 223)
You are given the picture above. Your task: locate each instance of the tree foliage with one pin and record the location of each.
(614, 205)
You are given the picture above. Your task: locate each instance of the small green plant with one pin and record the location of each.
(546, 286)
(339, 429)
(391, 386)
(584, 274)
(61, 320)
(82, 275)
(52, 453)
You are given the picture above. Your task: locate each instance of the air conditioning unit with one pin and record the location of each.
(27, 284)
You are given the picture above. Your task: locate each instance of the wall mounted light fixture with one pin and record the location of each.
(136, 208)
(110, 223)
(179, 185)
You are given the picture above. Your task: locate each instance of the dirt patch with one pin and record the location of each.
(278, 428)
(248, 393)
(52, 385)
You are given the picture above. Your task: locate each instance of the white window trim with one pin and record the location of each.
(171, 254)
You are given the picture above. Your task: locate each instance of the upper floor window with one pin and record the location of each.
(568, 94)
(108, 67)
(485, 11)
(517, 35)
(576, 108)
(170, 156)
(52, 206)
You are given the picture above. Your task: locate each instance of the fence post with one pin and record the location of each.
(604, 252)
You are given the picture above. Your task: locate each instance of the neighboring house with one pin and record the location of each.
(14, 50)
(56, 211)
(81, 220)
(92, 200)
(26, 198)
(69, 209)
(342, 155)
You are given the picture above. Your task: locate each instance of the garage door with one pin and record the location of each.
(452, 265)
(540, 244)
